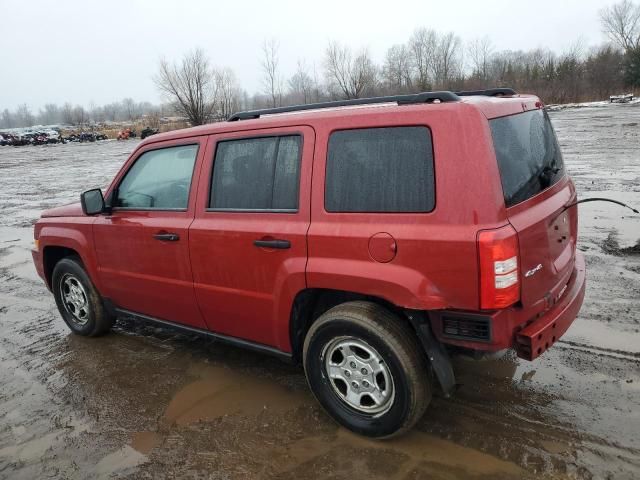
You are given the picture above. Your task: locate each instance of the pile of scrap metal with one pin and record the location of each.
(126, 134)
(15, 139)
(18, 138)
(626, 98)
(147, 132)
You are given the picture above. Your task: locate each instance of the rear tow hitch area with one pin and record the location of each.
(542, 333)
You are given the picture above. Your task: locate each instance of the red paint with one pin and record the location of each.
(537, 337)
(215, 278)
(382, 247)
(245, 291)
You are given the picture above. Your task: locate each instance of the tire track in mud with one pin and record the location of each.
(599, 351)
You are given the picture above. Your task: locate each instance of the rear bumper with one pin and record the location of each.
(530, 332)
(538, 336)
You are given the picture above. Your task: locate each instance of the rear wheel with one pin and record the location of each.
(365, 367)
(79, 303)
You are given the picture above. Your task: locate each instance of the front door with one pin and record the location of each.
(248, 240)
(143, 245)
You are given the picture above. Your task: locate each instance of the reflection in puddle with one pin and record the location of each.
(222, 391)
(414, 453)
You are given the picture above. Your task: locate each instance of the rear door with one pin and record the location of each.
(536, 190)
(143, 245)
(248, 241)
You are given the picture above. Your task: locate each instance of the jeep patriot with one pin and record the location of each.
(364, 239)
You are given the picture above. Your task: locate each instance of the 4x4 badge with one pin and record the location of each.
(533, 271)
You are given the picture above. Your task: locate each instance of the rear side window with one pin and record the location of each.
(528, 154)
(159, 179)
(256, 174)
(380, 170)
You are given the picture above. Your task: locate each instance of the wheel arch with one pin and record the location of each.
(51, 255)
(60, 241)
(310, 303)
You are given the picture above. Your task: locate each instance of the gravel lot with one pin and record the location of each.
(148, 403)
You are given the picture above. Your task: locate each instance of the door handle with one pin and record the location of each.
(275, 243)
(167, 237)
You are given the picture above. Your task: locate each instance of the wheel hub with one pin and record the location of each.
(359, 375)
(74, 299)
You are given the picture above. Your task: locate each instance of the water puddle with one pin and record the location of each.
(221, 391)
(144, 442)
(414, 453)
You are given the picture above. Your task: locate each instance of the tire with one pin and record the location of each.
(383, 404)
(78, 301)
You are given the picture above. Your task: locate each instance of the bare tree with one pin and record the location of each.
(270, 66)
(350, 76)
(228, 98)
(398, 69)
(301, 84)
(424, 45)
(67, 113)
(569, 74)
(448, 61)
(79, 115)
(50, 114)
(7, 119)
(621, 23)
(190, 86)
(110, 111)
(316, 89)
(130, 109)
(480, 51)
(24, 116)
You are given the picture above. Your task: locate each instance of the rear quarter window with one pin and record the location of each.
(528, 154)
(386, 169)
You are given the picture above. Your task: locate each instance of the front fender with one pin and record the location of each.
(76, 235)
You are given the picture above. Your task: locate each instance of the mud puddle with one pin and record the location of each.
(222, 391)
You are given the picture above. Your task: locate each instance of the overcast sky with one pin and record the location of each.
(103, 51)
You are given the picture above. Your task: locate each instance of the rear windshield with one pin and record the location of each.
(528, 154)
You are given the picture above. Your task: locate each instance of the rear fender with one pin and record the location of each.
(397, 284)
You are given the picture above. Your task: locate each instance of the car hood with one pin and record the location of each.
(71, 210)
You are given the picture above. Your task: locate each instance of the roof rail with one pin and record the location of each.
(491, 92)
(424, 97)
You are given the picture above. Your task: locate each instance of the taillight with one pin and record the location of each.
(499, 276)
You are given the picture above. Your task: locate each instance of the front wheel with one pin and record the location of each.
(78, 301)
(366, 368)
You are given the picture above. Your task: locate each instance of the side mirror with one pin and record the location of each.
(92, 202)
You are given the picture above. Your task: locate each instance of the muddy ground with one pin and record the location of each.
(147, 403)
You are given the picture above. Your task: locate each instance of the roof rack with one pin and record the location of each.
(491, 92)
(424, 97)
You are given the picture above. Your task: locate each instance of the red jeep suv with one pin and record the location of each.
(361, 238)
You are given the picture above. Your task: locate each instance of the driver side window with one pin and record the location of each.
(159, 179)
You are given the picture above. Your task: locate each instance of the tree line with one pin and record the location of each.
(127, 110)
(428, 60)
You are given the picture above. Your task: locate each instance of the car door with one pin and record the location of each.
(248, 239)
(142, 246)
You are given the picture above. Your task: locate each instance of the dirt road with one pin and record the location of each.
(147, 403)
